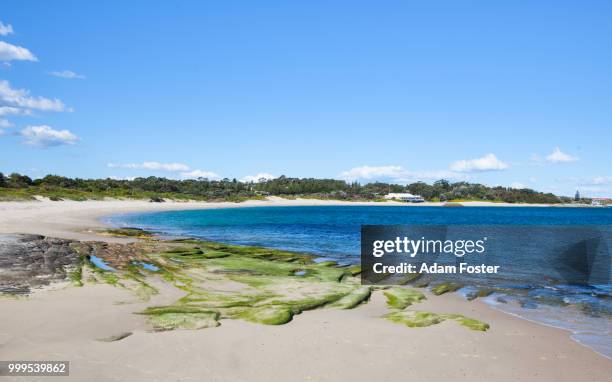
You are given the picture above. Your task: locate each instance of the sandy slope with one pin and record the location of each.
(321, 345)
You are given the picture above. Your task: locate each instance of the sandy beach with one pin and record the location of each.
(322, 191)
(62, 322)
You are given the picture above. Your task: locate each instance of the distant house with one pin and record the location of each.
(601, 201)
(405, 197)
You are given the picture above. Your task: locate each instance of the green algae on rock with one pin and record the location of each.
(249, 283)
(76, 274)
(468, 322)
(221, 281)
(400, 298)
(417, 319)
(192, 321)
(181, 317)
(445, 288)
(128, 232)
(353, 299)
(130, 279)
(267, 314)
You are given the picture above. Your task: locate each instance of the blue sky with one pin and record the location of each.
(503, 93)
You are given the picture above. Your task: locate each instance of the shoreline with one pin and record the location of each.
(70, 219)
(320, 344)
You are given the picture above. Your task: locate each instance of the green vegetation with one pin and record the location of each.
(353, 299)
(129, 278)
(226, 281)
(21, 187)
(468, 322)
(76, 275)
(445, 288)
(400, 298)
(418, 319)
(222, 281)
(169, 321)
(267, 314)
(129, 232)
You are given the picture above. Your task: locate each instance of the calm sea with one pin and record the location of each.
(533, 292)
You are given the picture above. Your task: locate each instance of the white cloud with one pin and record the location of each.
(67, 74)
(557, 156)
(415, 176)
(488, 162)
(397, 174)
(45, 136)
(517, 185)
(599, 180)
(594, 181)
(182, 169)
(9, 110)
(10, 52)
(21, 98)
(5, 30)
(5, 123)
(194, 174)
(374, 172)
(256, 178)
(156, 166)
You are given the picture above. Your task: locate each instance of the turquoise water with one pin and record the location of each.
(98, 262)
(147, 266)
(334, 230)
(528, 287)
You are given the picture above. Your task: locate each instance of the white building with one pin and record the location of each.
(601, 201)
(405, 197)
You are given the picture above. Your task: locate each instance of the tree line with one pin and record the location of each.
(232, 189)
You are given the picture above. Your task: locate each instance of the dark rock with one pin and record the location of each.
(30, 261)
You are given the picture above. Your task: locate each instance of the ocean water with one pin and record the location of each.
(529, 285)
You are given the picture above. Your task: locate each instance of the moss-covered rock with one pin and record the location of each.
(181, 317)
(170, 321)
(445, 288)
(268, 314)
(414, 319)
(417, 319)
(353, 299)
(255, 284)
(129, 232)
(468, 322)
(400, 298)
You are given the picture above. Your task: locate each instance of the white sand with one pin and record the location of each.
(320, 345)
